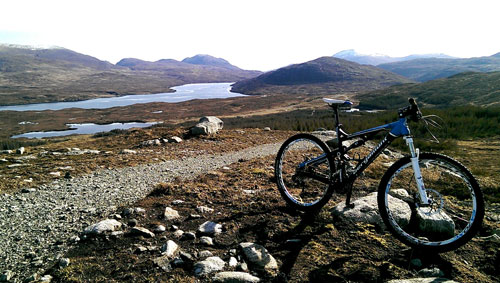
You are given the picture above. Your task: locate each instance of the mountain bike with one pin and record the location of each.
(426, 200)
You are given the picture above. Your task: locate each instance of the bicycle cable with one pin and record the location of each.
(429, 120)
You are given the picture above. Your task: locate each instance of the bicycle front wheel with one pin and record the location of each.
(303, 171)
(455, 210)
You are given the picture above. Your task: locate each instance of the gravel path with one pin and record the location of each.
(37, 225)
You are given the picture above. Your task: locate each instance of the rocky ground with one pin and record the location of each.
(203, 217)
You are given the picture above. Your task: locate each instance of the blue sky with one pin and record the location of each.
(255, 34)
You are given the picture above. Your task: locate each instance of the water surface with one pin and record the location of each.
(84, 129)
(182, 93)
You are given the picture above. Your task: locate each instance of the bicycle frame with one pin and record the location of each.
(396, 130)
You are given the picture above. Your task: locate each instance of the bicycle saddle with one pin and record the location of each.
(337, 102)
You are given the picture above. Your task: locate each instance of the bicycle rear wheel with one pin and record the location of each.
(455, 211)
(303, 171)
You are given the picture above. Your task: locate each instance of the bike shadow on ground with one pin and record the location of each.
(295, 239)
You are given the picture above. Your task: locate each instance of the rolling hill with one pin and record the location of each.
(325, 75)
(197, 69)
(427, 69)
(462, 89)
(377, 59)
(34, 75)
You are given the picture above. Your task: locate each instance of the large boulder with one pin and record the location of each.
(366, 210)
(437, 225)
(108, 225)
(207, 125)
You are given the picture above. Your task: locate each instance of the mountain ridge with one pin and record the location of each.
(37, 75)
(426, 69)
(377, 59)
(324, 75)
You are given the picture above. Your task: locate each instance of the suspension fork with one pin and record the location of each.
(416, 170)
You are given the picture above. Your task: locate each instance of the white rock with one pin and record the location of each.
(259, 256)
(267, 129)
(213, 119)
(206, 241)
(108, 225)
(204, 209)
(141, 231)
(366, 210)
(210, 228)
(171, 214)
(128, 151)
(46, 279)
(235, 277)
(55, 174)
(233, 262)
(207, 126)
(21, 150)
(174, 139)
(159, 229)
(169, 249)
(209, 265)
(437, 225)
(178, 233)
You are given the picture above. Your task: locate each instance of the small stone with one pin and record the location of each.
(159, 229)
(177, 202)
(242, 266)
(140, 211)
(128, 151)
(140, 250)
(209, 265)
(55, 174)
(205, 254)
(169, 249)
(267, 129)
(171, 214)
(194, 216)
(175, 139)
(189, 236)
(20, 150)
(259, 256)
(179, 233)
(174, 227)
(235, 277)
(210, 228)
(430, 272)
(207, 241)
(233, 262)
(64, 262)
(164, 263)
(45, 279)
(204, 209)
(140, 231)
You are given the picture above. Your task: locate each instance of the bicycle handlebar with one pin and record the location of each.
(412, 111)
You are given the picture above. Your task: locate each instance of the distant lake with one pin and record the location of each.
(84, 129)
(182, 93)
